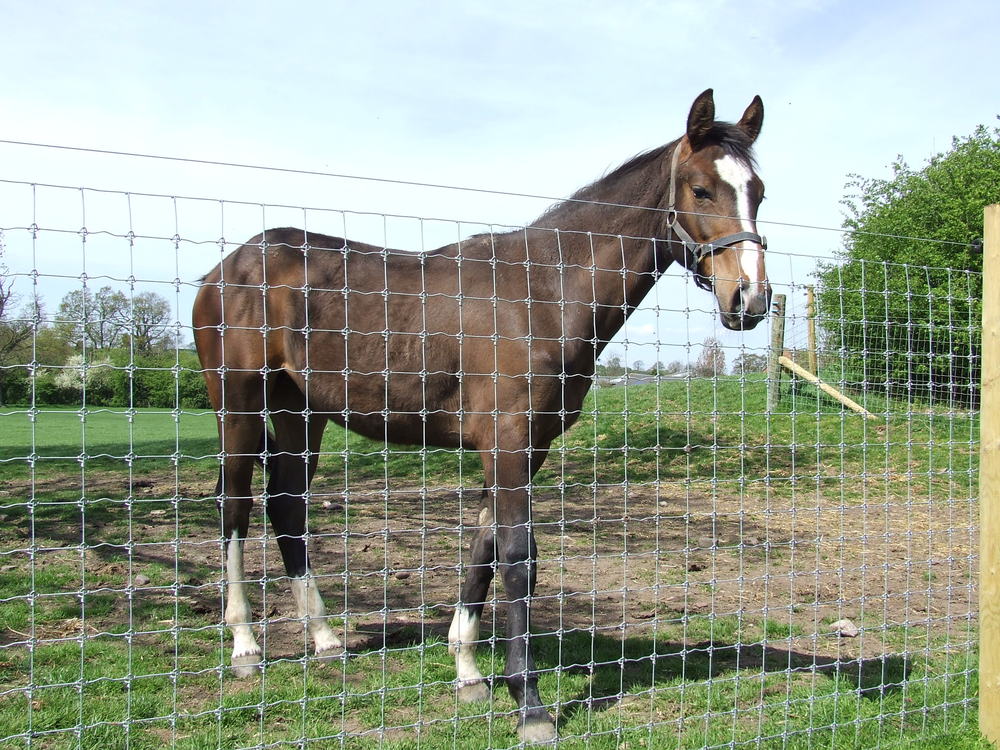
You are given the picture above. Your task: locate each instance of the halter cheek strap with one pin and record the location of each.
(699, 250)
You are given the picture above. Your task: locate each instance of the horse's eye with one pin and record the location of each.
(700, 193)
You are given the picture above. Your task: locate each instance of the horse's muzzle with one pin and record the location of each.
(748, 307)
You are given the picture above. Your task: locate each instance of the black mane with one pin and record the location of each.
(732, 138)
(734, 142)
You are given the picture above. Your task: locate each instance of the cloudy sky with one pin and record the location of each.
(531, 98)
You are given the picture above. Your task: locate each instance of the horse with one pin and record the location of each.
(488, 344)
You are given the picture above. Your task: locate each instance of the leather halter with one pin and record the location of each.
(699, 250)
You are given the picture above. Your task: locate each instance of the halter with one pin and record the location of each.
(699, 250)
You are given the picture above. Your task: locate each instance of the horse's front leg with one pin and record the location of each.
(518, 555)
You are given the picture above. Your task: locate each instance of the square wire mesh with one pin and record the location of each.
(710, 573)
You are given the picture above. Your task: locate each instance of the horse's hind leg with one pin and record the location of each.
(291, 471)
(240, 441)
(464, 632)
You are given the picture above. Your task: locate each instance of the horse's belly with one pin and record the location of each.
(401, 408)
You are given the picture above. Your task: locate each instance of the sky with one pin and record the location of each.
(518, 97)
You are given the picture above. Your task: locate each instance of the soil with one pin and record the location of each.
(618, 560)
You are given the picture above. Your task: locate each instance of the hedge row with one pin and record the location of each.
(168, 380)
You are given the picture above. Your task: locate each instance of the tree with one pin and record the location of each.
(90, 318)
(146, 322)
(16, 329)
(108, 318)
(749, 362)
(612, 366)
(712, 360)
(901, 313)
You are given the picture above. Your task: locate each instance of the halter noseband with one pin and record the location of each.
(699, 250)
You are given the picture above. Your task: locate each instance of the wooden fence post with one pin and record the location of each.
(989, 485)
(812, 363)
(776, 351)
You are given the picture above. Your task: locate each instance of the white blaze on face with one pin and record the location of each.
(738, 175)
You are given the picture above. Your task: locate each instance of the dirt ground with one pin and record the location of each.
(614, 559)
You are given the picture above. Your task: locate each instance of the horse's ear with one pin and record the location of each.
(700, 118)
(753, 118)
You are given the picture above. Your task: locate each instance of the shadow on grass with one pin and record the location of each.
(618, 668)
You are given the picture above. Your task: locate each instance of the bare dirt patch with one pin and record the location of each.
(615, 560)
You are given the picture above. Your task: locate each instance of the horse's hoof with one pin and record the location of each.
(471, 692)
(537, 731)
(246, 665)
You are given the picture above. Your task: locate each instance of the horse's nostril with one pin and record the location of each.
(738, 299)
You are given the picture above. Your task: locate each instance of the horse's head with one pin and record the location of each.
(714, 192)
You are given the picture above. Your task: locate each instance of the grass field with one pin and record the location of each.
(694, 553)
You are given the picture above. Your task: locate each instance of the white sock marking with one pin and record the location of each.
(237, 607)
(309, 605)
(462, 637)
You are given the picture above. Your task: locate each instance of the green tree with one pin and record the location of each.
(900, 309)
(749, 362)
(94, 319)
(108, 318)
(611, 366)
(16, 330)
(145, 320)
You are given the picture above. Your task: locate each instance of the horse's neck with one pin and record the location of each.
(624, 271)
(609, 213)
(607, 249)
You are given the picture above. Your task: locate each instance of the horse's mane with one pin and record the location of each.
(733, 139)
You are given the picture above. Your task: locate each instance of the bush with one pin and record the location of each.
(48, 392)
(164, 380)
(160, 380)
(16, 386)
(902, 314)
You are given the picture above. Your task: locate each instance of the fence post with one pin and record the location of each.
(989, 485)
(812, 364)
(777, 349)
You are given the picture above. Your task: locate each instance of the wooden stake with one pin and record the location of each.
(825, 387)
(989, 485)
(777, 349)
(811, 329)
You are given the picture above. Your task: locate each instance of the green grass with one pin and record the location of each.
(720, 433)
(703, 430)
(112, 667)
(651, 692)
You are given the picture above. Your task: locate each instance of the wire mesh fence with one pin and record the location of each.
(709, 573)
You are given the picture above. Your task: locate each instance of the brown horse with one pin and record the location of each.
(489, 344)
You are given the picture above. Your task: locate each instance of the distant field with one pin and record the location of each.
(59, 436)
(701, 430)
(694, 553)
